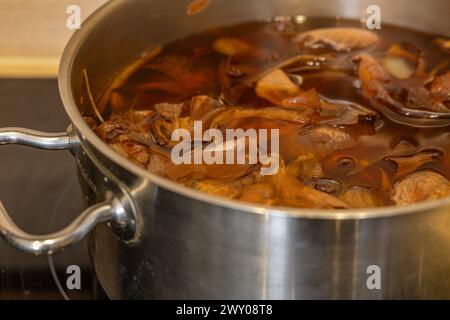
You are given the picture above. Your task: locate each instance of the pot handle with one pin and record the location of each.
(86, 221)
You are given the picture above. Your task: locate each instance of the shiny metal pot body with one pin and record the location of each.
(154, 239)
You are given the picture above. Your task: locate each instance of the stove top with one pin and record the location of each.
(41, 192)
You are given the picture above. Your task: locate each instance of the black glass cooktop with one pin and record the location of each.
(40, 190)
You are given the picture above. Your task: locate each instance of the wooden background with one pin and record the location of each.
(33, 34)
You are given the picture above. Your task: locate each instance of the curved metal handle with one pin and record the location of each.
(50, 243)
(37, 139)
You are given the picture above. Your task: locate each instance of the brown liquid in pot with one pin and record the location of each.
(343, 157)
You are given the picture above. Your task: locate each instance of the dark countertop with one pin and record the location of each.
(40, 191)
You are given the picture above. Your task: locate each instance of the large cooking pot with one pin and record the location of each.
(152, 238)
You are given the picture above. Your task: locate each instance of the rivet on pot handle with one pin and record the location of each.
(86, 221)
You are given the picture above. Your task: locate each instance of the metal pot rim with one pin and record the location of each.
(86, 132)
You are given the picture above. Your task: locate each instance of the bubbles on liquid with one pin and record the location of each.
(346, 163)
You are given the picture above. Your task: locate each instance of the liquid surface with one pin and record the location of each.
(363, 116)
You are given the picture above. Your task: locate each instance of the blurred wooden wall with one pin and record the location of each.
(33, 34)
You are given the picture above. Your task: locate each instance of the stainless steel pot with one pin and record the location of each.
(151, 238)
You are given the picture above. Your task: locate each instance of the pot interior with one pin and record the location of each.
(119, 32)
